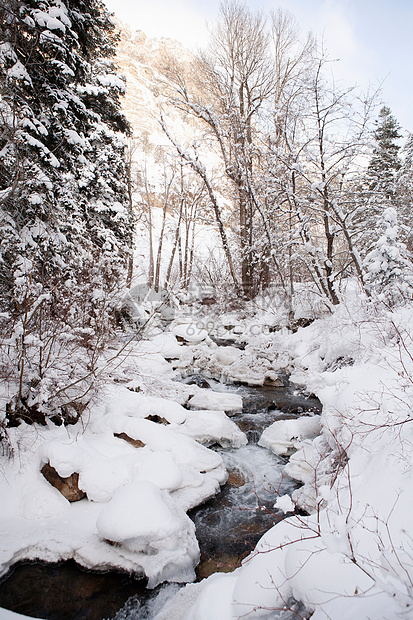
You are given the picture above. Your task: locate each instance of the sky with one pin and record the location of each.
(371, 39)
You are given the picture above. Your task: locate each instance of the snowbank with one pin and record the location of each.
(139, 467)
(5, 614)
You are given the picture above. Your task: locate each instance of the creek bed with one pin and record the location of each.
(228, 527)
(230, 524)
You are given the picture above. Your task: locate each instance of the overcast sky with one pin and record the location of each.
(373, 39)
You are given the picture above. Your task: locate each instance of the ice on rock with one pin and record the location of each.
(216, 401)
(149, 522)
(285, 436)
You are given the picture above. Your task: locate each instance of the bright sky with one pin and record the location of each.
(371, 38)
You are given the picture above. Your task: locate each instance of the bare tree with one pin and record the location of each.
(320, 151)
(248, 73)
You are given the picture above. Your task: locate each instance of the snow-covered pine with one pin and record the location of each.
(377, 189)
(404, 192)
(65, 219)
(388, 266)
(385, 161)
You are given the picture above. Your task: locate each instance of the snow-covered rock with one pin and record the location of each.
(165, 344)
(190, 332)
(209, 427)
(208, 399)
(148, 522)
(285, 436)
(140, 477)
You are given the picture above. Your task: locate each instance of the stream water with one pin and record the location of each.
(228, 527)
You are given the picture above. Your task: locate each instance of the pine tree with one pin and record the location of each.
(404, 192)
(388, 266)
(385, 161)
(65, 223)
(377, 187)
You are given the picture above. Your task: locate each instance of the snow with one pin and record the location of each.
(19, 72)
(285, 436)
(147, 521)
(216, 400)
(5, 614)
(72, 137)
(55, 19)
(285, 504)
(209, 427)
(352, 556)
(136, 497)
(165, 344)
(190, 332)
(110, 80)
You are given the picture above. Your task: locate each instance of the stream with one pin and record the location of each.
(228, 527)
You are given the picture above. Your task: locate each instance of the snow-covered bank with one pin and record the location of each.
(138, 464)
(352, 557)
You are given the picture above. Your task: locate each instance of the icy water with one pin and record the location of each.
(230, 524)
(228, 527)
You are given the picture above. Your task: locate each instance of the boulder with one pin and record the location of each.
(68, 487)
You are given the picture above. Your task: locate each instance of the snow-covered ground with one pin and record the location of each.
(352, 557)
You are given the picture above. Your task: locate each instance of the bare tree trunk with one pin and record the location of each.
(175, 245)
(200, 170)
(162, 232)
(129, 152)
(151, 270)
(129, 276)
(328, 263)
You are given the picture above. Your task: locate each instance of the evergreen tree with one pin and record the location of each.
(388, 266)
(385, 161)
(377, 188)
(65, 223)
(404, 190)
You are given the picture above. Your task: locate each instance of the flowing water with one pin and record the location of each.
(228, 527)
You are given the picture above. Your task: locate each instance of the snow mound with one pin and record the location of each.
(285, 436)
(147, 521)
(165, 344)
(209, 427)
(126, 402)
(207, 399)
(227, 355)
(190, 332)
